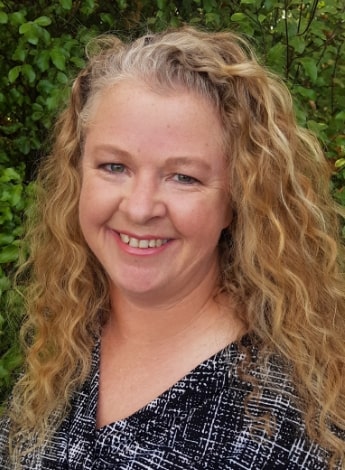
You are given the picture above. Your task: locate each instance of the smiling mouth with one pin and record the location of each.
(142, 243)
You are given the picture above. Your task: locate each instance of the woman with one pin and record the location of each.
(186, 305)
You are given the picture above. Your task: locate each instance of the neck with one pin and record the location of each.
(148, 323)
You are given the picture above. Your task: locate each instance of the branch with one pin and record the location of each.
(311, 17)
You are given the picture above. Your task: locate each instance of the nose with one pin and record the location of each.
(143, 200)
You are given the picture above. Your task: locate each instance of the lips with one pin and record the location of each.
(142, 243)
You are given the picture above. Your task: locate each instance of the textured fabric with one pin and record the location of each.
(198, 424)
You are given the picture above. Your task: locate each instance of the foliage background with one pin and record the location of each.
(42, 47)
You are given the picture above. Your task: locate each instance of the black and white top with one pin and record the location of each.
(200, 423)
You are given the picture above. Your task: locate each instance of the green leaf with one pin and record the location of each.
(12, 359)
(8, 254)
(317, 128)
(122, 4)
(52, 102)
(58, 59)
(17, 18)
(310, 67)
(78, 61)
(3, 17)
(238, 17)
(45, 36)
(305, 92)
(19, 54)
(271, 4)
(37, 115)
(208, 5)
(66, 4)
(212, 19)
(23, 145)
(62, 78)
(5, 284)
(6, 239)
(11, 195)
(31, 32)
(276, 54)
(87, 7)
(43, 21)
(340, 116)
(10, 128)
(29, 73)
(107, 18)
(10, 174)
(3, 371)
(42, 60)
(339, 195)
(45, 87)
(32, 40)
(298, 44)
(340, 163)
(13, 74)
(5, 214)
(25, 28)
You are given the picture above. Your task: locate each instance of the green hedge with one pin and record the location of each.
(42, 47)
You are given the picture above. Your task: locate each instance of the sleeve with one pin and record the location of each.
(274, 434)
(4, 442)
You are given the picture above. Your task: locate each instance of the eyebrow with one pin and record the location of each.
(187, 161)
(111, 149)
(170, 161)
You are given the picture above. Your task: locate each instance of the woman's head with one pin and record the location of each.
(276, 176)
(254, 110)
(154, 197)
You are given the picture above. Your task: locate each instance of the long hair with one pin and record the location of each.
(280, 258)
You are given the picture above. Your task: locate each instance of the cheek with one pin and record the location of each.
(85, 218)
(84, 206)
(204, 220)
(92, 204)
(218, 213)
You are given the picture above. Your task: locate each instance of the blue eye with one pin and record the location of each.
(114, 167)
(185, 179)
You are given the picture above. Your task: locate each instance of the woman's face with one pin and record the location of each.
(153, 200)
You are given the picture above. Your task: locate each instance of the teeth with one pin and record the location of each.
(136, 243)
(143, 243)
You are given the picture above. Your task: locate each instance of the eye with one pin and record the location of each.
(185, 179)
(113, 167)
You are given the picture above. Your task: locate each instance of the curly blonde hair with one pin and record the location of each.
(280, 259)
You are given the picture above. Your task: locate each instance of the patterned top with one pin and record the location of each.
(198, 424)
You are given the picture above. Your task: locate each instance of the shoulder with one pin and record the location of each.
(32, 460)
(272, 428)
(4, 450)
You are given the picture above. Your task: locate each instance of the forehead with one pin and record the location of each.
(130, 119)
(134, 101)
